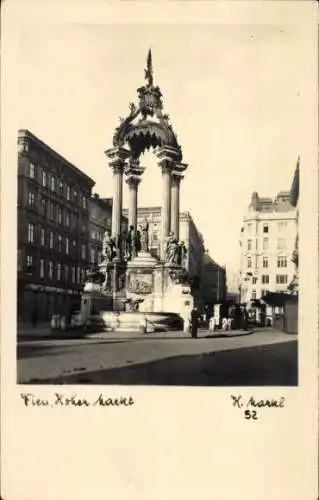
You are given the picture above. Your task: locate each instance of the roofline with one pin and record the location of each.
(34, 138)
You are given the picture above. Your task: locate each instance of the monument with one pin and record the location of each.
(128, 272)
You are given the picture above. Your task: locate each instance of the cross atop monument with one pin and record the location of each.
(149, 69)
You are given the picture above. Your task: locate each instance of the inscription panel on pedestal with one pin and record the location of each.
(140, 281)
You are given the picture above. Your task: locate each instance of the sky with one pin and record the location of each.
(234, 94)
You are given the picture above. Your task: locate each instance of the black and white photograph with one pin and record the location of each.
(159, 250)
(157, 204)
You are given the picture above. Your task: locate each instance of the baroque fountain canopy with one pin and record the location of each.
(146, 126)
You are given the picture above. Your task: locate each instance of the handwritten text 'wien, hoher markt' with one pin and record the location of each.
(66, 400)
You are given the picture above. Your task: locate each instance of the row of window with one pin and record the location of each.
(97, 235)
(55, 242)
(55, 185)
(263, 292)
(281, 261)
(281, 279)
(55, 212)
(281, 225)
(57, 271)
(281, 244)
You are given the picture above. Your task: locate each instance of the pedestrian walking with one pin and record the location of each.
(34, 318)
(212, 324)
(194, 323)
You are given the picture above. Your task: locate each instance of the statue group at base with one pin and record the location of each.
(175, 252)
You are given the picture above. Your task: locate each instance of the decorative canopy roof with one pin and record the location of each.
(146, 126)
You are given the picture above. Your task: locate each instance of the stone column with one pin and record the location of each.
(168, 160)
(166, 203)
(117, 162)
(175, 187)
(133, 178)
(117, 200)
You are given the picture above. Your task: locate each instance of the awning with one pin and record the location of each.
(279, 299)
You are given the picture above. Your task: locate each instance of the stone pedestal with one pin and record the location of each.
(140, 280)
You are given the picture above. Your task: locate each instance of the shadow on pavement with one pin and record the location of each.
(269, 365)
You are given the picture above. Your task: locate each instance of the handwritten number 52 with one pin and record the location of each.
(250, 414)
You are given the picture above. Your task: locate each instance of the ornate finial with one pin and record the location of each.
(149, 69)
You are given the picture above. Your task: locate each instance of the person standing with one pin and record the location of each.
(194, 323)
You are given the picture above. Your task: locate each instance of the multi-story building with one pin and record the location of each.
(294, 200)
(188, 233)
(53, 229)
(267, 244)
(214, 281)
(100, 219)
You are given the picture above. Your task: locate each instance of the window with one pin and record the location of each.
(155, 236)
(31, 199)
(281, 279)
(67, 218)
(41, 268)
(42, 236)
(31, 232)
(248, 261)
(44, 178)
(75, 195)
(68, 192)
(92, 256)
(61, 187)
(253, 294)
(74, 245)
(265, 261)
(282, 261)
(265, 243)
(66, 273)
(265, 279)
(50, 270)
(93, 235)
(99, 256)
(249, 227)
(52, 183)
(83, 251)
(265, 228)
(281, 244)
(248, 244)
(29, 264)
(78, 274)
(282, 225)
(73, 221)
(67, 246)
(84, 202)
(44, 207)
(51, 210)
(51, 244)
(59, 243)
(58, 272)
(254, 280)
(73, 274)
(32, 170)
(59, 215)
(82, 275)
(264, 292)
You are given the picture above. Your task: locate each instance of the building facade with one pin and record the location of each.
(267, 244)
(53, 230)
(188, 233)
(100, 219)
(213, 287)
